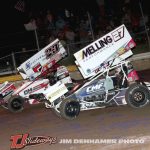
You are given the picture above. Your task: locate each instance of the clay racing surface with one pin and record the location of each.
(113, 128)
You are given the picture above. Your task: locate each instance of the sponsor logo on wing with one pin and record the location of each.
(103, 43)
(28, 66)
(95, 88)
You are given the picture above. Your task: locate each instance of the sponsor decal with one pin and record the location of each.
(37, 59)
(36, 88)
(130, 45)
(118, 34)
(95, 88)
(97, 46)
(37, 68)
(49, 52)
(19, 141)
(103, 42)
(9, 89)
(55, 93)
(27, 66)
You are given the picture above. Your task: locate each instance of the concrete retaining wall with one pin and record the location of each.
(141, 61)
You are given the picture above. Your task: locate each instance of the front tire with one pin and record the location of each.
(69, 109)
(137, 95)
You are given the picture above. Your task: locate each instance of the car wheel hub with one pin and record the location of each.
(71, 109)
(16, 104)
(138, 96)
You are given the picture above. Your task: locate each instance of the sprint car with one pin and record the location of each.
(15, 98)
(38, 72)
(117, 85)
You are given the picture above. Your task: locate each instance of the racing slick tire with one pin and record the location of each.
(69, 109)
(16, 104)
(137, 95)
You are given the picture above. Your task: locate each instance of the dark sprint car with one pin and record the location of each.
(109, 78)
(106, 89)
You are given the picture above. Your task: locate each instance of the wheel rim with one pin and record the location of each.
(16, 104)
(139, 96)
(72, 109)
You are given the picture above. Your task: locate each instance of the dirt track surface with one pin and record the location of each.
(114, 123)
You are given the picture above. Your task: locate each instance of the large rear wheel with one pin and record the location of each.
(137, 95)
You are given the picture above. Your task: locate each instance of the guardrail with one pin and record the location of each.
(18, 77)
(140, 56)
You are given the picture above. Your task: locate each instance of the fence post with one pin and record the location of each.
(37, 40)
(68, 49)
(14, 62)
(89, 18)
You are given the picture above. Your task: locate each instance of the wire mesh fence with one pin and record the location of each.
(9, 63)
(6, 65)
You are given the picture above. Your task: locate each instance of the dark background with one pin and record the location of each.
(12, 21)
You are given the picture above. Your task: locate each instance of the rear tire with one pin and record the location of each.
(16, 104)
(69, 108)
(137, 95)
